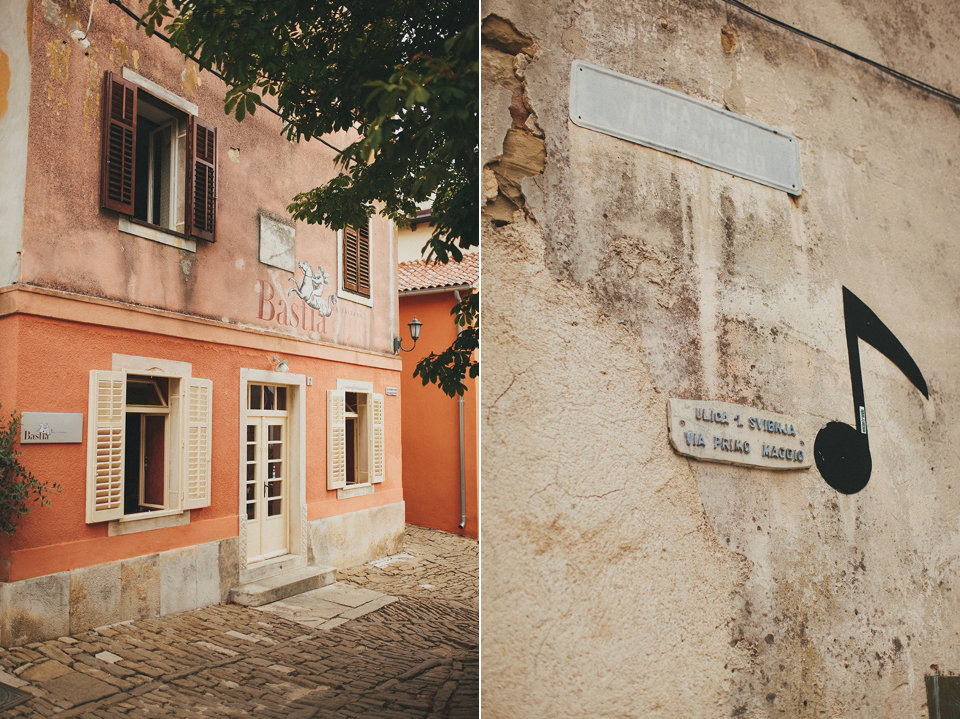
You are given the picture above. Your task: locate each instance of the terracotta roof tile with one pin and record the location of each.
(420, 275)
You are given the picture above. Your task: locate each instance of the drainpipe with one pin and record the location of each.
(463, 488)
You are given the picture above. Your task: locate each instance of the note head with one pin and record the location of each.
(843, 457)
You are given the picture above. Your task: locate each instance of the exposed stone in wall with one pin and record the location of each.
(505, 55)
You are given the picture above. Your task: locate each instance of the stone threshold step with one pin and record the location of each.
(282, 585)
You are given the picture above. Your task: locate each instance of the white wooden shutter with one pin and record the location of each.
(105, 426)
(336, 439)
(196, 485)
(378, 471)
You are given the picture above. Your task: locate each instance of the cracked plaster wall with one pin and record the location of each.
(619, 578)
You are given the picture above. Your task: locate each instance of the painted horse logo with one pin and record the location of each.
(310, 289)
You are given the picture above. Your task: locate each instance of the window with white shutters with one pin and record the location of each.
(355, 435)
(149, 445)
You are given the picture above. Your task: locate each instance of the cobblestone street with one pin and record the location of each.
(393, 638)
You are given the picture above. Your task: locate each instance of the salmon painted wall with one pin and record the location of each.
(70, 244)
(54, 361)
(431, 453)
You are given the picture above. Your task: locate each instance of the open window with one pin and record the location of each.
(354, 439)
(148, 445)
(159, 161)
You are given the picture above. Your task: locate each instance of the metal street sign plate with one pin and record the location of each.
(51, 428)
(734, 434)
(650, 115)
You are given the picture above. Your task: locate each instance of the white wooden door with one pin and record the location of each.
(266, 487)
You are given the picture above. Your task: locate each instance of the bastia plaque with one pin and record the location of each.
(735, 434)
(51, 428)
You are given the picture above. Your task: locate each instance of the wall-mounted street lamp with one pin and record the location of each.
(280, 365)
(414, 326)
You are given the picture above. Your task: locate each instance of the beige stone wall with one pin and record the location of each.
(67, 603)
(620, 579)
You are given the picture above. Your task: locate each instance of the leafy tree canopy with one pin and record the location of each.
(403, 74)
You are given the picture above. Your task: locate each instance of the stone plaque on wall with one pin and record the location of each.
(51, 428)
(631, 109)
(734, 434)
(277, 242)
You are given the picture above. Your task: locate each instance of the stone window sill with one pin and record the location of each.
(355, 491)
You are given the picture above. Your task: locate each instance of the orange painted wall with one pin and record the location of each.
(54, 359)
(431, 453)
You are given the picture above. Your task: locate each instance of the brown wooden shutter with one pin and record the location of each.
(119, 144)
(201, 208)
(363, 253)
(356, 260)
(349, 259)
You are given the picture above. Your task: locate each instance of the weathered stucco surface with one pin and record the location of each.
(258, 170)
(620, 579)
(14, 101)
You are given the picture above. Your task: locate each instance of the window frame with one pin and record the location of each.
(200, 205)
(374, 431)
(187, 441)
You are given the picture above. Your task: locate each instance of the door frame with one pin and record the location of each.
(297, 528)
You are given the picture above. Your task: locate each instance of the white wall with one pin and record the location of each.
(15, 67)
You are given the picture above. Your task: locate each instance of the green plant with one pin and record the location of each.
(17, 485)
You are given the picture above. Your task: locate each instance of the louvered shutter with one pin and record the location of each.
(336, 439)
(350, 260)
(196, 483)
(105, 429)
(378, 470)
(119, 144)
(363, 261)
(201, 210)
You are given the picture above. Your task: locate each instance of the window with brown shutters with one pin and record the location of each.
(356, 260)
(159, 162)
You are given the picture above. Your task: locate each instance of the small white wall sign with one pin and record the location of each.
(734, 434)
(51, 428)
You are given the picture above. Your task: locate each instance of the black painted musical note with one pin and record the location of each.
(842, 452)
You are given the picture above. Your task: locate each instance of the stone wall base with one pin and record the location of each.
(155, 585)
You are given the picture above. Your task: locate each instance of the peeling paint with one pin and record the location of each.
(59, 54)
(234, 154)
(4, 82)
(119, 52)
(506, 54)
(190, 78)
(52, 13)
(136, 59)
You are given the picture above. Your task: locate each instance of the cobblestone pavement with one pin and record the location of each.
(412, 656)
